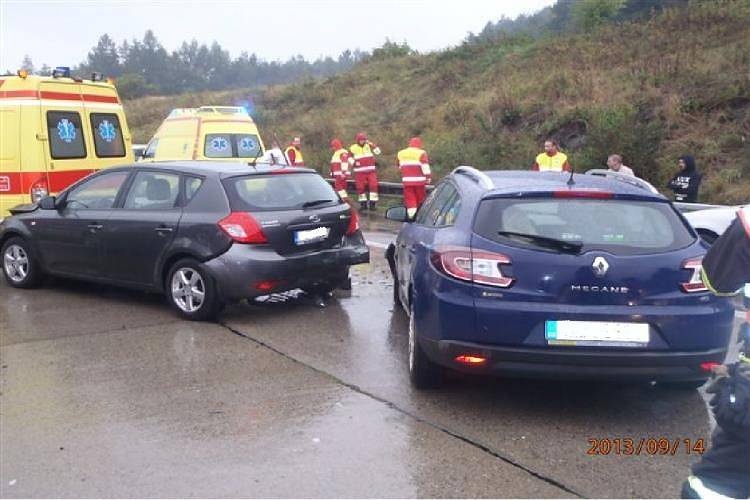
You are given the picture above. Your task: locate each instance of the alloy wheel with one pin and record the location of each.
(16, 263)
(188, 289)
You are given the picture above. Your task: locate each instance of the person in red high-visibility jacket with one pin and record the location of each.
(362, 161)
(415, 174)
(340, 168)
(294, 153)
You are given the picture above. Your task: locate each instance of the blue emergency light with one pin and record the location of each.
(61, 72)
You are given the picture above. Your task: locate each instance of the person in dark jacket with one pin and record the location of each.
(686, 183)
(724, 470)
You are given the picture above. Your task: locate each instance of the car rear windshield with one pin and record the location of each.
(621, 227)
(262, 193)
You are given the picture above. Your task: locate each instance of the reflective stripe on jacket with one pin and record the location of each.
(415, 166)
(363, 157)
(340, 163)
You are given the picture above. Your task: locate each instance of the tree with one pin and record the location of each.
(590, 14)
(104, 57)
(27, 64)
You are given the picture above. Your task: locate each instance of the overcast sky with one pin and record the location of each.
(60, 33)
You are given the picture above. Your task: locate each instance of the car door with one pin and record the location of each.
(141, 230)
(420, 234)
(69, 238)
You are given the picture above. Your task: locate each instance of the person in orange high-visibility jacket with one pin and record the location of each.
(552, 160)
(415, 174)
(362, 161)
(339, 168)
(294, 153)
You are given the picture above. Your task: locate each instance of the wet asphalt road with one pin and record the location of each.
(103, 393)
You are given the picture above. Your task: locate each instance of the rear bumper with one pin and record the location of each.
(242, 267)
(572, 363)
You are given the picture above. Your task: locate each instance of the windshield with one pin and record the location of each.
(617, 226)
(257, 193)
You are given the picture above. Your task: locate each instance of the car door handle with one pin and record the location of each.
(95, 227)
(163, 229)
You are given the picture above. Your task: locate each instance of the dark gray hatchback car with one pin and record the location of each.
(204, 233)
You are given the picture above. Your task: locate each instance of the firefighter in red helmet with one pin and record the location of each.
(362, 160)
(415, 174)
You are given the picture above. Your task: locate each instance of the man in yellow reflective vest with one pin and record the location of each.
(294, 153)
(724, 470)
(552, 160)
(415, 174)
(362, 161)
(339, 168)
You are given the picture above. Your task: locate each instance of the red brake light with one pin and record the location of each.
(708, 366)
(242, 228)
(583, 193)
(470, 359)
(39, 190)
(473, 265)
(353, 224)
(696, 281)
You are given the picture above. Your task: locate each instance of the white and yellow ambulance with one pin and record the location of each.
(55, 130)
(218, 133)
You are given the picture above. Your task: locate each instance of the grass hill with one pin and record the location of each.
(652, 90)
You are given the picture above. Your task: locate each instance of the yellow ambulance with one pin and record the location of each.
(223, 133)
(55, 130)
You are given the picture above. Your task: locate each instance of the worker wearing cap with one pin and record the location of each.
(552, 159)
(294, 153)
(724, 470)
(415, 174)
(362, 161)
(339, 168)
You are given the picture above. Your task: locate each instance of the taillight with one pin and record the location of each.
(242, 228)
(39, 190)
(696, 281)
(473, 265)
(584, 193)
(353, 224)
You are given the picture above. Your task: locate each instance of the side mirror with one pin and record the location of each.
(397, 214)
(48, 203)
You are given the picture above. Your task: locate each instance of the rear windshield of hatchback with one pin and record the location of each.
(258, 193)
(621, 227)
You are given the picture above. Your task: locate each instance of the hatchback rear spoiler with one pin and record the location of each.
(629, 179)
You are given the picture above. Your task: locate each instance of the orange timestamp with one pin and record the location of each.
(645, 446)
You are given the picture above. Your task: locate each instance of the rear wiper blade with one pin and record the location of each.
(313, 203)
(543, 241)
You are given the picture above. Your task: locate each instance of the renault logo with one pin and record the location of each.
(600, 266)
(314, 218)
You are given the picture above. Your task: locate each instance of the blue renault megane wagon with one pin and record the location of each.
(556, 276)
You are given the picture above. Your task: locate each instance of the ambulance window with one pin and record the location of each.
(108, 141)
(248, 145)
(65, 135)
(218, 146)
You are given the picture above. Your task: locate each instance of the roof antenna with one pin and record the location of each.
(571, 182)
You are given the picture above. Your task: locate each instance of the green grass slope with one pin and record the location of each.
(676, 84)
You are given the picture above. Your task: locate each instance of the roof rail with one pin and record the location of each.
(476, 175)
(632, 180)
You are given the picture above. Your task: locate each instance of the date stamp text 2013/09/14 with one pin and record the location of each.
(646, 446)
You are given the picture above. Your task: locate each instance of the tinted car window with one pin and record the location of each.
(618, 226)
(278, 192)
(450, 210)
(192, 185)
(218, 146)
(65, 135)
(443, 197)
(153, 191)
(99, 192)
(425, 208)
(108, 141)
(248, 145)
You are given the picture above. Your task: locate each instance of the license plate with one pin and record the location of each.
(311, 235)
(596, 333)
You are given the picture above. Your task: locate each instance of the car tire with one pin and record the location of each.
(20, 266)
(192, 292)
(423, 373)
